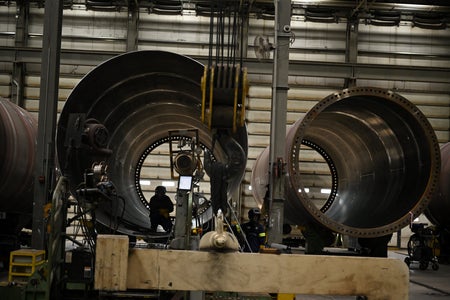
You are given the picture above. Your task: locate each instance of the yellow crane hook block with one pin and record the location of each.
(224, 90)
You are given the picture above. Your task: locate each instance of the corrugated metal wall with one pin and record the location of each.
(318, 57)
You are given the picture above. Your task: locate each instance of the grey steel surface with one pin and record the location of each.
(139, 97)
(438, 211)
(383, 156)
(18, 130)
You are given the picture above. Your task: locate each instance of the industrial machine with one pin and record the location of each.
(130, 105)
(122, 118)
(123, 110)
(422, 247)
(383, 157)
(143, 109)
(112, 121)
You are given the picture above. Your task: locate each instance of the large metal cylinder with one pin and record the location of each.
(138, 97)
(383, 158)
(438, 211)
(18, 131)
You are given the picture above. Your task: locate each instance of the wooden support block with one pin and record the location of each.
(111, 263)
(376, 278)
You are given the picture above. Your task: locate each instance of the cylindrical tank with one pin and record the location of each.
(438, 211)
(383, 158)
(18, 131)
(138, 97)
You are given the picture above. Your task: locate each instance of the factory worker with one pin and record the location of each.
(160, 208)
(254, 231)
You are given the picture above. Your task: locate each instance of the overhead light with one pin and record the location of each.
(325, 191)
(101, 5)
(168, 183)
(321, 15)
(144, 182)
(167, 7)
(429, 21)
(385, 18)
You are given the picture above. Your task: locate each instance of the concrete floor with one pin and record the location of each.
(427, 284)
(424, 284)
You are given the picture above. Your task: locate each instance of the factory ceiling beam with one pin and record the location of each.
(296, 68)
(359, 71)
(399, 5)
(263, 7)
(68, 57)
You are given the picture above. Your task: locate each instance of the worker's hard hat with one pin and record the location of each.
(254, 212)
(160, 190)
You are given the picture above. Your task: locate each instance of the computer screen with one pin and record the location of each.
(185, 183)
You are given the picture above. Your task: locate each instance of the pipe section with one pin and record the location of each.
(438, 210)
(383, 157)
(137, 97)
(18, 131)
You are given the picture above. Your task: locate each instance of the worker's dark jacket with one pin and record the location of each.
(160, 207)
(255, 234)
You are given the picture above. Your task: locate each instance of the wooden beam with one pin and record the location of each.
(111, 263)
(183, 270)
(152, 269)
